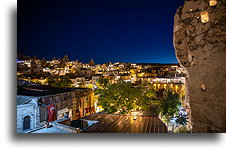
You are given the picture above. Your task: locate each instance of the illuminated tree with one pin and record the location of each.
(59, 81)
(169, 105)
(102, 82)
(122, 97)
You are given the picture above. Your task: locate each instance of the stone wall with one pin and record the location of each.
(199, 42)
(28, 106)
(23, 111)
(63, 124)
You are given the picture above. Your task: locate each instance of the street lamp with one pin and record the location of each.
(135, 115)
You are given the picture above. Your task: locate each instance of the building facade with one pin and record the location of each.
(33, 105)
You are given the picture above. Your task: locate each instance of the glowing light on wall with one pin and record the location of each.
(204, 17)
(212, 2)
(203, 87)
(164, 86)
(174, 66)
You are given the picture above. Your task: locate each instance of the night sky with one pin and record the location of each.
(133, 31)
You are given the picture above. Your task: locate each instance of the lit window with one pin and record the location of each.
(164, 86)
(203, 87)
(213, 2)
(204, 17)
(154, 86)
(158, 86)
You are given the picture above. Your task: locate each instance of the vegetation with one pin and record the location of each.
(102, 82)
(182, 129)
(169, 108)
(122, 97)
(59, 81)
(169, 104)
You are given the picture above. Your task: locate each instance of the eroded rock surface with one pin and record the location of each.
(199, 42)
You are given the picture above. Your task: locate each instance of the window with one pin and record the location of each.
(212, 2)
(204, 17)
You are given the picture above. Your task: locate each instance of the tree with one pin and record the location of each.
(122, 97)
(59, 81)
(169, 105)
(181, 119)
(65, 81)
(102, 82)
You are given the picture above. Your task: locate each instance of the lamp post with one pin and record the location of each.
(135, 115)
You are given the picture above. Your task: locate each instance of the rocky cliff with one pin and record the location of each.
(199, 42)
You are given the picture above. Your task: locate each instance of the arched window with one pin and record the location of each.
(26, 123)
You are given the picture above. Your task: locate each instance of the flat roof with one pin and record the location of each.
(44, 90)
(110, 123)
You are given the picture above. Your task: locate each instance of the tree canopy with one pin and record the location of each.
(169, 104)
(59, 81)
(102, 82)
(123, 97)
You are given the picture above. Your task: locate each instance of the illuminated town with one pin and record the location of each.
(70, 85)
(166, 75)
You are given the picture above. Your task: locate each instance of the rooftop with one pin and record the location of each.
(21, 101)
(110, 123)
(43, 90)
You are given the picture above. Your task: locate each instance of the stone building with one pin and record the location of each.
(199, 42)
(26, 113)
(33, 102)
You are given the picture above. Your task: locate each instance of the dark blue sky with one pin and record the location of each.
(136, 31)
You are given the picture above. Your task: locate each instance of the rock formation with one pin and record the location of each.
(199, 42)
